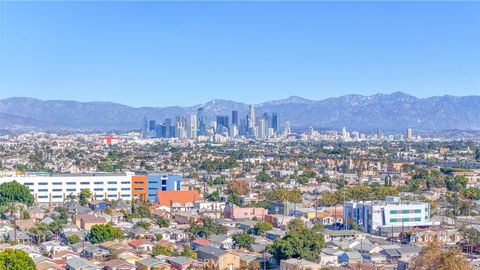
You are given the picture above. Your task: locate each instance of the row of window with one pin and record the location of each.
(74, 183)
(405, 211)
(75, 190)
(405, 219)
(98, 196)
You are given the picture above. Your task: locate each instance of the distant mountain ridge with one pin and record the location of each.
(389, 112)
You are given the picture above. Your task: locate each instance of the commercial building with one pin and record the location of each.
(162, 182)
(389, 217)
(57, 188)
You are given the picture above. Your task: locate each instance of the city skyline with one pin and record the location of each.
(189, 53)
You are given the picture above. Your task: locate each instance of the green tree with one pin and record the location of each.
(262, 227)
(303, 243)
(243, 240)
(84, 197)
(144, 224)
(74, 239)
(163, 222)
(283, 194)
(15, 259)
(162, 250)
(105, 232)
(234, 199)
(188, 252)
(214, 196)
(296, 224)
(12, 192)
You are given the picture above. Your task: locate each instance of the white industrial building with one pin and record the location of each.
(55, 188)
(389, 217)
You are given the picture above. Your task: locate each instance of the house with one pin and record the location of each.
(221, 241)
(199, 242)
(186, 217)
(117, 264)
(48, 265)
(77, 263)
(87, 222)
(151, 264)
(168, 198)
(220, 258)
(181, 263)
(92, 251)
(298, 264)
(235, 212)
(52, 247)
(274, 234)
(139, 232)
(332, 235)
(141, 245)
(327, 259)
(350, 257)
(98, 205)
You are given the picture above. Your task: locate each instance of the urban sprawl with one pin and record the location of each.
(239, 193)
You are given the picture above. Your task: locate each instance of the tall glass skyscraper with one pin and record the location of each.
(202, 128)
(275, 122)
(235, 118)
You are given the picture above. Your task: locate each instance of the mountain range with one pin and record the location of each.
(389, 112)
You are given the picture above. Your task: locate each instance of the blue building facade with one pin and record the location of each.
(162, 182)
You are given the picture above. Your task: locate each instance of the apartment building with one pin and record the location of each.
(389, 217)
(162, 182)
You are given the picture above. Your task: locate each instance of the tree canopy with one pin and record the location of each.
(105, 232)
(12, 192)
(15, 259)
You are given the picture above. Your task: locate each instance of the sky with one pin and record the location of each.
(186, 53)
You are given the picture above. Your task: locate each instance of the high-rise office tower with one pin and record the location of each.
(287, 130)
(222, 122)
(275, 122)
(233, 132)
(251, 117)
(192, 126)
(202, 121)
(151, 125)
(344, 133)
(169, 128)
(409, 133)
(144, 124)
(235, 118)
(242, 129)
(262, 127)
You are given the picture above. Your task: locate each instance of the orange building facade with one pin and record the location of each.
(139, 187)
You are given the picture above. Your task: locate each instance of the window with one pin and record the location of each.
(164, 188)
(112, 196)
(406, 211)
(406, 219)
(125, 189)
(112, 189)
(153, 183)
(57, 190)
(98, 189)
(99, 196)
(418, 210)
(42, 184)
(426, 217)
(84, 183)
(138, 188)
(42, 197)
(152, 188)
(139, 183)
(43, 190)
(164, 182)
(426, 209)
(71, 183)
(125, 183)
(393, 220)
(112, 183)
(57, 183)
(98, 183)
(28, 184)
(125, 195)
(393, 211)
(31, 190)
(57, 196)
(418, 219)
(71, 190)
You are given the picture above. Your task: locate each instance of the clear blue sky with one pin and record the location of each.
(185, 53)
